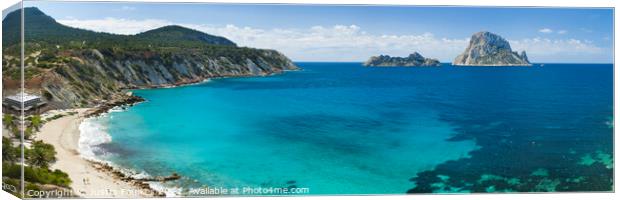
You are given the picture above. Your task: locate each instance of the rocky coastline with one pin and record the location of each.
(78, 77)
(118, 101)
(140, 183)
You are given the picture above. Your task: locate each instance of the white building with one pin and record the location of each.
(30, 101)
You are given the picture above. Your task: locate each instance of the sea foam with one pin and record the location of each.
(92, 134)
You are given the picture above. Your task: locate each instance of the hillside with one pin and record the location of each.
(74, 67)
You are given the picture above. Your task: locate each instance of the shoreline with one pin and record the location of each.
(90, 179)
(99, 179)
(202, 80)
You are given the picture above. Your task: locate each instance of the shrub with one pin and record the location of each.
(41, 154)
(36, 174)
(9, 152)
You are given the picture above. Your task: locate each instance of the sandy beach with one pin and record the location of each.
(88, 181)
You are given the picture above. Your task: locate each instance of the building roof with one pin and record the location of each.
(27, 97)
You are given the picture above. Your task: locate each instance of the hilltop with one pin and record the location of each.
(74, 67)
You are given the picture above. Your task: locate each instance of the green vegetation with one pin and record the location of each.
(29, 72)
(81, 67)
(55, 45)
(9, 153)
(40, 154)
(36, 174)
(10, 123)
(91, 66)
(8, 120)
(35, 121)
(10, 185)
(57, 116)
(43, 32)
(28, 133)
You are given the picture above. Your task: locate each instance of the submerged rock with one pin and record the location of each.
(489, 49)
(414, 59)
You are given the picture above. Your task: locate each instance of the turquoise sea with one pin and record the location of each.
(340, 128)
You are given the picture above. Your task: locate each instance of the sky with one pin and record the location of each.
(354, 33)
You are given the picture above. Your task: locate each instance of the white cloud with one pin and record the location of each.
(349, 42)
(337, 43)
(128, 8)
(561, 50)
(545, 30)
(549, 46)
(116, 25)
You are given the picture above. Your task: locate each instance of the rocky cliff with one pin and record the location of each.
(72, 67)
(92, 75)
(414, 59)
(488, 49)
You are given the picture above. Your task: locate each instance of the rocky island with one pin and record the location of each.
(414, 59)
(489, 49)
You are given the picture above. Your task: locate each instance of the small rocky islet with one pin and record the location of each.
(414, 59)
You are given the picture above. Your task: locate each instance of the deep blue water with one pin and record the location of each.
(340, 128)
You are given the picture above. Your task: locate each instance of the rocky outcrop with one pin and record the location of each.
(92, 77)
(414, 59)
(488, 49)
(118, 100)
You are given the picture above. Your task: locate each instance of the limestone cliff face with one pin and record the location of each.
(414, 59)
(93, 76)
(488, 49)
